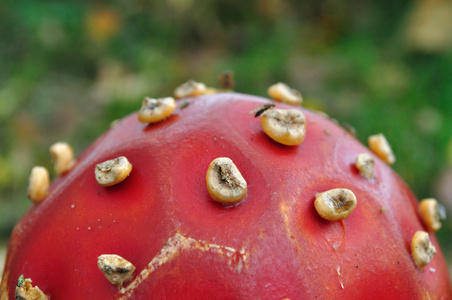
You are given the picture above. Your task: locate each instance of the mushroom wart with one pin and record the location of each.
(220, 204)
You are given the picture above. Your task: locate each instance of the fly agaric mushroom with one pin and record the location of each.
(162, 234)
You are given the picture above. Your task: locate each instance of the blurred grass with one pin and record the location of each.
(69, 68)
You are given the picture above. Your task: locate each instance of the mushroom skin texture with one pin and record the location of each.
(184, 245)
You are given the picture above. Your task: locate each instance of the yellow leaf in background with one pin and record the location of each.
(429, 26)
(181, 6)
(6, 171)
(102, 24)
(272, 9)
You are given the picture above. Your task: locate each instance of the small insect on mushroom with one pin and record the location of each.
(38, 186)
(115, 268)
(283, 93)
(335, 204)
(350, 129)
(365, 164)
(190, 89)
(258, 111)
(225, 183)
(226, 80)
(287, 127)
(156, 110)
(380, 146)
(20, 281)
(184, 105)
(112, 171)
(428, 210)
(62, 157)
(26, 291)
(422, 249)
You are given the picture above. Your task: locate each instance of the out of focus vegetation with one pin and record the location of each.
(69, 68)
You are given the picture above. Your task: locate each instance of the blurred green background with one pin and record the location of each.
(69, 68)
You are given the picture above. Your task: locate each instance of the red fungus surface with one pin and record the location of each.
(184, 245)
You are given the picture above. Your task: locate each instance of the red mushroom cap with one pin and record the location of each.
(184, 245)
